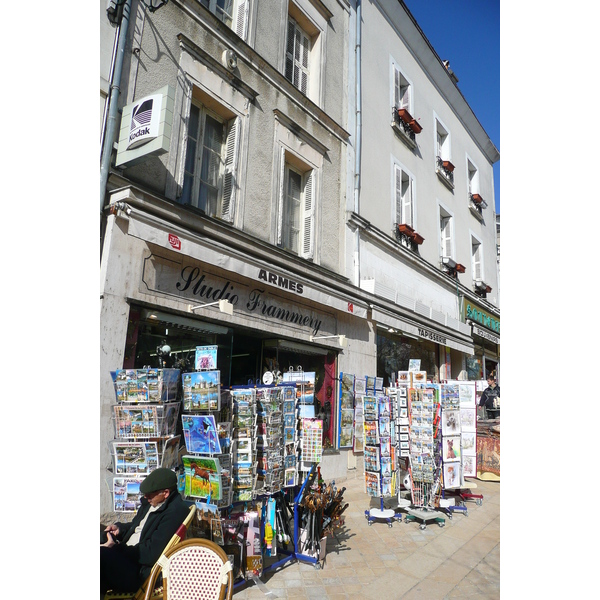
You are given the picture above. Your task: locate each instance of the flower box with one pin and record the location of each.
(460, 268)
(414, 125)
(405, 115)
(448, 165)
(477, 198)
(406, 229)
(417, 239)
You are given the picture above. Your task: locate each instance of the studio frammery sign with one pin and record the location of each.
(199, 285)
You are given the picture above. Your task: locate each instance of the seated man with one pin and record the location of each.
(131, 549)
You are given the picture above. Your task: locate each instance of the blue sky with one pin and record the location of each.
(467, 33)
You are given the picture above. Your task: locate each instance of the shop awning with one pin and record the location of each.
(425, 332)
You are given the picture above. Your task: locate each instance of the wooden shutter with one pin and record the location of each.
(281, 197)
(477, 271)
(404, 194)
(230, 184)
(297, 56)
(308, 218)
(240, 24)
(446, 236)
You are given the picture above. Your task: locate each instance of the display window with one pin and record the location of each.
(394, 353)
(243, 356)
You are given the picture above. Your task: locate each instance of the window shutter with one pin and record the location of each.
(401, 91)
(297, 57)
(281, 197)
(477, 274)
(231, 165)
(304, 48)
(240, 25)
(445, 237)
(398, 186)
(407, 199)
(289, 55)
(308, 219)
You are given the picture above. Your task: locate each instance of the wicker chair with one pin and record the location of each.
(178, 536)
(196, 569)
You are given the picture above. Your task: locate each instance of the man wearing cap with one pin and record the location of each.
(131, 549)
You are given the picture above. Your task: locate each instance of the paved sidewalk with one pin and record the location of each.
(459, 560)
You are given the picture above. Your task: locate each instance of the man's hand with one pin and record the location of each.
(111, 541)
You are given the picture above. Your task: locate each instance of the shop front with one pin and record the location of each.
(162, 290)
(485, 328)
(443, 355)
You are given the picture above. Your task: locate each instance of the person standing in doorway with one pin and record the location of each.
(490, 394)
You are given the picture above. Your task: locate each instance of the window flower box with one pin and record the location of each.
(476, 198)
(417, 239)
(406, 229)
(448, 165)
(405, 115)
(460, 268)
(414, 125)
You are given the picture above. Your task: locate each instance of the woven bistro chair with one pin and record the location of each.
(196, 569)
(178, 536)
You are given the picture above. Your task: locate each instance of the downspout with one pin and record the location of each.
(357, 154)
(110, 79)
(111, 121)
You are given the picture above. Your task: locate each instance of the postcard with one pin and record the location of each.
(468, 420)
(360, 386)
(468, 443)
(451, 475)
(469, 464)
(347, 383)
(200, 434)
(126, 493)
(451, 448)
(372, 483)
(202, 390)
(359, 444)
(202, 477)
(450, 422)
(346, 434)
(170, 455)
(206, 358)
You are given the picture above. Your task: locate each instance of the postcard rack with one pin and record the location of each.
(380, 452)
(145, 420)
(424, 457)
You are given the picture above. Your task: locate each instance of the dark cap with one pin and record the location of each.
(159, 479)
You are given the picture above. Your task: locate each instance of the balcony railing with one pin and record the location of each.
(445, 169)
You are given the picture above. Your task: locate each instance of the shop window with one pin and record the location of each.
(394, 353)
(209, 181)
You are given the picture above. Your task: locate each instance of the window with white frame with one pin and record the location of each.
(404, 194)
(473, 176)
(476, 259)
(297, 56)
(304, 42)
(402, 90)
(296, 220)
(442, 141)
(446, 226)
(209, 180)
(234, 13)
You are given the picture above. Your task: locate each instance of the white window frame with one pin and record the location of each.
(307, 210)
(472, 180)
(446, 232)
(443, 149)
(310, 24)
(398, 81)
(477, 261)
(403, 193)
(238, 17)
(228, 169)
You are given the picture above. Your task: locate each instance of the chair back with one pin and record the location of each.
(195, 568)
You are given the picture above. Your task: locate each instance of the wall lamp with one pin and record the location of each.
(154, 5)
(340, 338)
(224, 306)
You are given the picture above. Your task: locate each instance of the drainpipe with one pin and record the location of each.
(111, 121)
(357, 153)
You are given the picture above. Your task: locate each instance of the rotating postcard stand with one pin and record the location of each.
(380, 454)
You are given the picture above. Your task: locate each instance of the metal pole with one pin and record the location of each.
(111, 122)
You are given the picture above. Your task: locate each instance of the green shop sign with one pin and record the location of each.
(483, 318)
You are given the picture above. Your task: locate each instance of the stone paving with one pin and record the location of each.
(459, 560)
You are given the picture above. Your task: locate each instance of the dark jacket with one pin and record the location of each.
(158, 530)
(488, 396)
